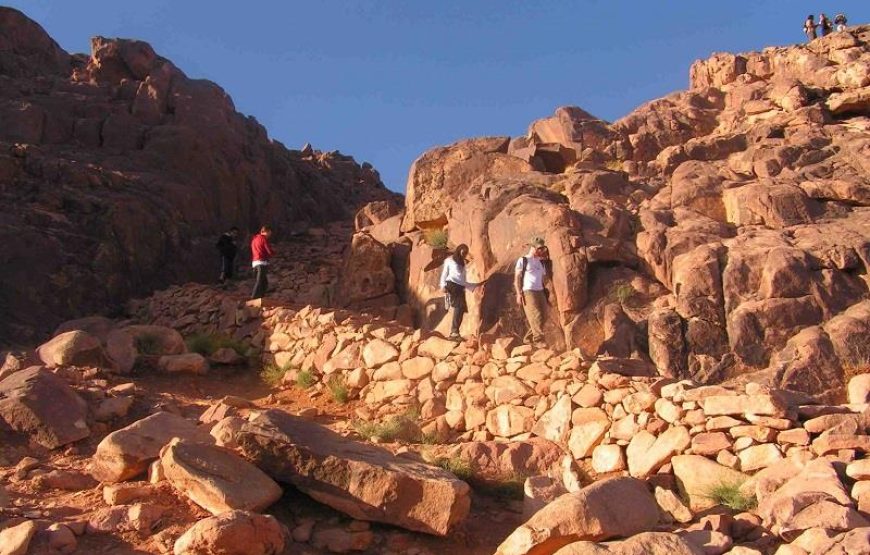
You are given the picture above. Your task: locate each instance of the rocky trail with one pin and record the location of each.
(705, 389)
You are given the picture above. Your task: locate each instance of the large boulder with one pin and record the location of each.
(126, 453)
(41, 404)
(616, 507)
(234, 533)
(363, 481)
(73, 348)
(217, 479)
(366, 274)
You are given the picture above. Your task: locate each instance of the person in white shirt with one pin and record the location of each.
(453, 284)
(529, 275)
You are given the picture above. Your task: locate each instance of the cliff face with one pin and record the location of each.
(718, 232)
(117, 172)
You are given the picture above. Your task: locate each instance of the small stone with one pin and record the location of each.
(608, 458)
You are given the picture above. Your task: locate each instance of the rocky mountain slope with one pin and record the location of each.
(117, 172)
(718, 232)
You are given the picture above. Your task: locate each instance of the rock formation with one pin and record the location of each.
(719, 231)
(118, 172)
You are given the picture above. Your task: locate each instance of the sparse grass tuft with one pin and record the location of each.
(460, 467)
(206, 344)
(730, 495)
(305, 379)
(148, 344)
(436, 238)
(614, 165)
(272, 374)
(397, 428)
(623, 292)
(338, 389)
(857, 358)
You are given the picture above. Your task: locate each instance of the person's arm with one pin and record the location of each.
(518, 281)
(268, 248)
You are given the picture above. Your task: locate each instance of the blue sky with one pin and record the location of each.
(384, 81)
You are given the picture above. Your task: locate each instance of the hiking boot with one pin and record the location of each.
(455, 337)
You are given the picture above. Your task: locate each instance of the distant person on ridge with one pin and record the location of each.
(530, 274)
(825, 24)
(840, 21)
(810, 28)
(261, 252)
(227, 248)
(453, 284)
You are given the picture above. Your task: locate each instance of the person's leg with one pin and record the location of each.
(224, 269)
(231, 267)
(259, 282)
(532, 308)
(459, 309)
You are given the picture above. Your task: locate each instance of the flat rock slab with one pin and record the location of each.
(217, 479)
(36, 402)
(361, 480)
(126, 453)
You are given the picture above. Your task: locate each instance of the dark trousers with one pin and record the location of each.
(261, 283)
(227, 267)
(457, 301)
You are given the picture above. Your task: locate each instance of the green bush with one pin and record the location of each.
(623, 292)
(397, 428)
(148, 344)
(338, 389)
(436, 238)
(730, 495)
(460, 467)
(272, 374)
(305, 379)
(206, 344)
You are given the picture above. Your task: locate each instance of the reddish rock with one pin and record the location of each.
(361, 480)
(41, 404)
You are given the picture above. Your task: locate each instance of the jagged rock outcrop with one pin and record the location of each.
(122, 171)
(731, 221)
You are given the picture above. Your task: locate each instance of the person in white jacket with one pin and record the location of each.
(453, 284)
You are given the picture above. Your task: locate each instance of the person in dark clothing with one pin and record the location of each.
(453, 284)
(825, 24)
(261, 253)
(840, 22)
(227, 248)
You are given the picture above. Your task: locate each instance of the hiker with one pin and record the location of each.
(840, 22)
(454, 284)
(227, 248)
(810, 28)
(529, 276)
(825, 24)
(261, 252)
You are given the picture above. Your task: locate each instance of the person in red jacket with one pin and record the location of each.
(261, 252)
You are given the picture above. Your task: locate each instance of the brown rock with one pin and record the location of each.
(234, 532)
(35, 401)
(73, 348)
(361, 480)
(616, 507)
(647, 453)
(188, 363)
(217, 479)
(646, 543)
(15, 540)
(125, 453)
